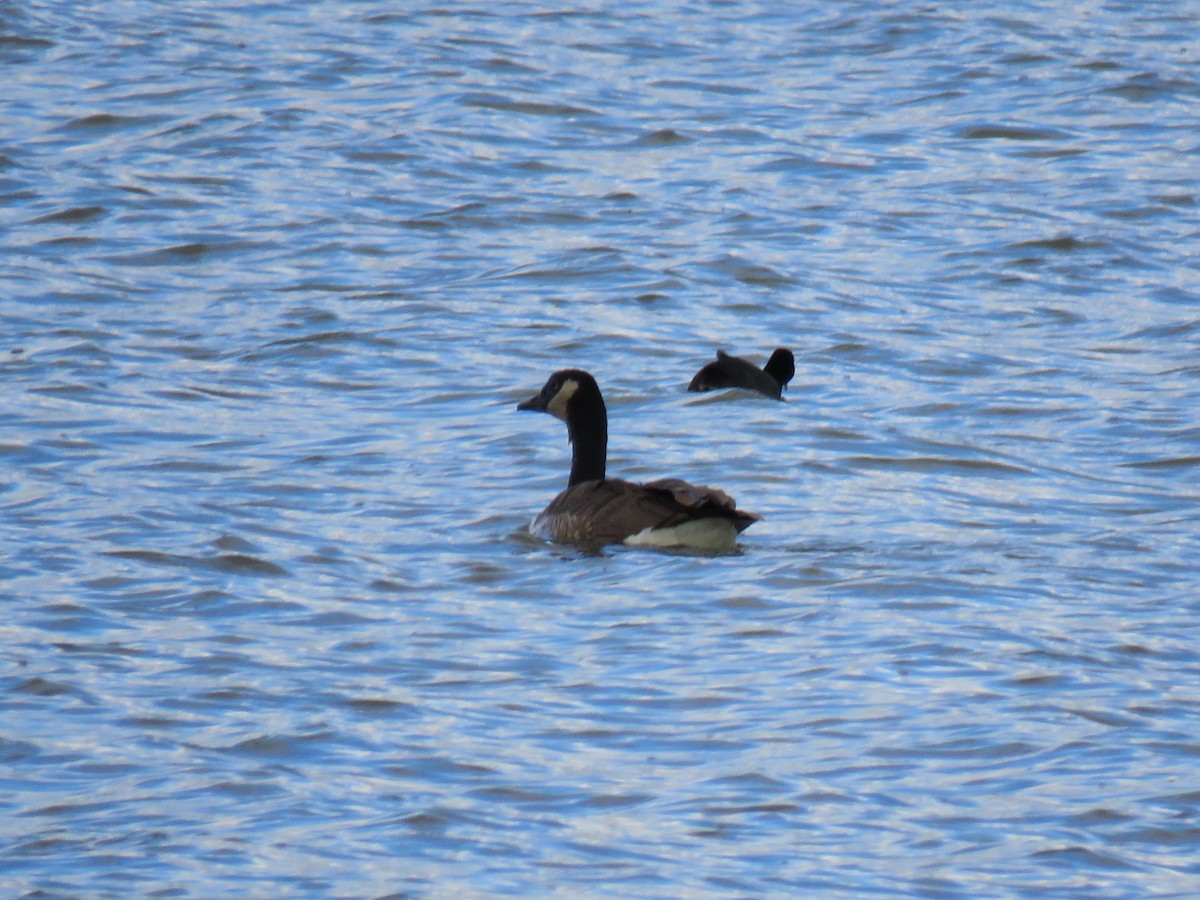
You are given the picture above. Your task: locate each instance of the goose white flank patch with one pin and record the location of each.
(595, 510)
(734, 372)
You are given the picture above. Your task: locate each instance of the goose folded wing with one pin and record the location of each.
(682, 501)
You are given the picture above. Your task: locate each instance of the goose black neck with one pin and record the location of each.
(587, 428)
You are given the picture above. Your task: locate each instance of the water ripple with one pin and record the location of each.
(274, 279)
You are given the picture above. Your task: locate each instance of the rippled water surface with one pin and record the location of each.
(272, 279)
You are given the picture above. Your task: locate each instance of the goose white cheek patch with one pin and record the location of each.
(557, 407)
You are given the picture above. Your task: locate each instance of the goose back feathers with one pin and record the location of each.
(595, 510)
(734, 372)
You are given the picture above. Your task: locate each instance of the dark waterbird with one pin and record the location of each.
(595, 510)
(734, 372)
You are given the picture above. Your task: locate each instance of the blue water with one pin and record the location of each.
(272, 280)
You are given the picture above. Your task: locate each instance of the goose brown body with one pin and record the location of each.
(734, 372)
(595, 510)
(613, 510)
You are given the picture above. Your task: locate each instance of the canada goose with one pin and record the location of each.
(594, 510)
(735, 372)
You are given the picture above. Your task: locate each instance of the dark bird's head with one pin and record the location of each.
(781, 366)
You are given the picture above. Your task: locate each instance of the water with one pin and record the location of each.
(273, 279)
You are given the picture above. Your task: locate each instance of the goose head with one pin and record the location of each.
(557, 396)
(573, 396)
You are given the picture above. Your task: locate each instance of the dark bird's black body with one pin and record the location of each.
(734, 372)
